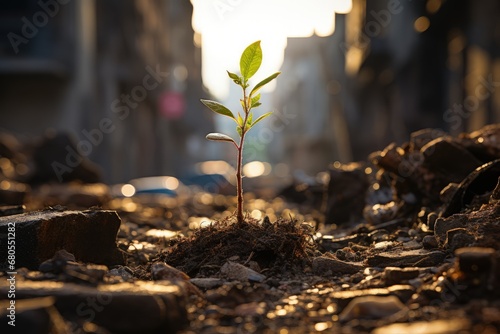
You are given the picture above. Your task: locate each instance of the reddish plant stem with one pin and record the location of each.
(239, 176)
(239, 180)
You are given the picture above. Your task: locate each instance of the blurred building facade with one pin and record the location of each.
(123, 76)
(390, 68)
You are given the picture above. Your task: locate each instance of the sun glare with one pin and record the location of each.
(228, 26)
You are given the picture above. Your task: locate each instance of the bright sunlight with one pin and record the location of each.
(224, 27)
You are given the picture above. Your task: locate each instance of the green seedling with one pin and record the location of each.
(250, 62)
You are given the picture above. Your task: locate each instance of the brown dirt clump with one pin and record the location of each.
(275, 246)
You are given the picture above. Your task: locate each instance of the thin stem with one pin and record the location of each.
(239, 177)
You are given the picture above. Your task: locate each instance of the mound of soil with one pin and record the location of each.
(277, 247)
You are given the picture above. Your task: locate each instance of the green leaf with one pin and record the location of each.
(235, 77)
(238, 129)
(240, 120)
(219, 137)
(249, 119)
(261, 118)
(264, 82)
(255, 101)
(218, 108)
(242, 104)
(250, 61)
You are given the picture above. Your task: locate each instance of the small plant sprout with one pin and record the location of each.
(250, 62)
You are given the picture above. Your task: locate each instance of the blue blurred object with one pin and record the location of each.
(213, 183)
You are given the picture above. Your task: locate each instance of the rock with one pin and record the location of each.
(328, 243)
(56, 158)
(37, 315)
(422, 137)
(430, 242)
(411, 258)
(395, 275)
(207, 282)
(162, 271)
(402, 291)
(450, 160)
(57, 262)
(142, 307)
(123, 272)
(324, 265)
(10, 210)
(443, 225)
(346, 193)
(372, 307)
(473, 261)
(448, 326)
(89, 235)
(458, 238)
(239, 272)
(74, 194)
(482, 180)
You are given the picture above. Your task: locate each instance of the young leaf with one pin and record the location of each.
(218, 108)
(250, 61)
(249, 119)
(240, 120)
(255, 101)
(261, 118)
(238, 129)
(219, 137)
(264, 82)
(235, 77)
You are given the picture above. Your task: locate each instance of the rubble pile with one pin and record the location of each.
(409, 243)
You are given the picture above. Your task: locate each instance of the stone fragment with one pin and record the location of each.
(443, 225)
(74, 194)
(331, 244)
(395, 275)
(162, 271)
(142, 307)
(123, 273)
(346, 193)
(458, 238)
(51, 161)
(324, 265)
(450, 160)
(207, 282)
(448, 326)
(402, 291)
(37, 315)
(411, 258)
(239, 272)
(372, 307)
(89, 235)
(475, 261)
(430, 242)
(10, 210)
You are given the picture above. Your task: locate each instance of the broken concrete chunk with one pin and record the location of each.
(10, 210)
(395, 275)
(239, 272)
(414, 258)
(89, 235)
(324, 265)
(372, 307)
(143, 307)
(475, 260)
